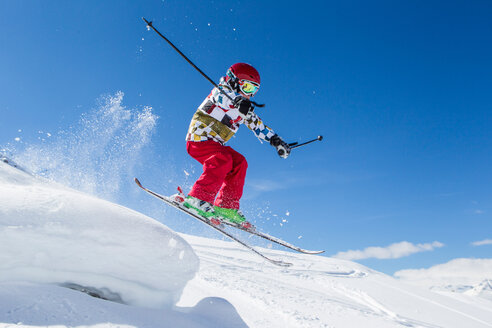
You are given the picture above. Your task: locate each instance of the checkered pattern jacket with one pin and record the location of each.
(217, 119)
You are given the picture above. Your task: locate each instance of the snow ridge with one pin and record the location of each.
(53, 234)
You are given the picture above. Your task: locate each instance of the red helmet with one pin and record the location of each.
(243, 77)
(245, 71)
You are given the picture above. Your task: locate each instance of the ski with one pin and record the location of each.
(177, 205)
(272, 239)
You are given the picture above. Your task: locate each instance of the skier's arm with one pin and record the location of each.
(255, 124)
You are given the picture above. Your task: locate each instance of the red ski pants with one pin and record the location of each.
(224, 171)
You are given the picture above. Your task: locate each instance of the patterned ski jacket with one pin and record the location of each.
(217, 119)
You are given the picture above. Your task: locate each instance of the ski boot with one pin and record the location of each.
(233, 216)
(202, 207)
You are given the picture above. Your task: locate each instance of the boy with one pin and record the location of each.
(218, 190)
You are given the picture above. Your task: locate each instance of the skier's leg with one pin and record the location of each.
(232, 189)
(216, 164)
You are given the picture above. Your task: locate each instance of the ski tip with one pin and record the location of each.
(312, 252)
(137, 182)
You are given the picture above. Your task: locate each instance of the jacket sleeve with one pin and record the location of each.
(255, 124)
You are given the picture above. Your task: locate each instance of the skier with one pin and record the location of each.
(218, 190)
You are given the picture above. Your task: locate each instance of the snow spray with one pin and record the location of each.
(98, 153)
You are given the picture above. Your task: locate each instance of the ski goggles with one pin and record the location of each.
(248, 87)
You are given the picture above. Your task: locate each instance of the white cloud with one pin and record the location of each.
(392, 251)
(482, 242)
(461, 271)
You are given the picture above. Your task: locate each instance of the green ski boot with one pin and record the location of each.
(233, 216)
(202, 207)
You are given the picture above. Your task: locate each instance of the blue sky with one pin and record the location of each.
(399, 90)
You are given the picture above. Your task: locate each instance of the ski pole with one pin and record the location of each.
(149, 24)
(296, 144)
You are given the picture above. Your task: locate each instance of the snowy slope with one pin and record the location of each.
(52, 234)
(121, 253)
(321, 292)
(39, 305)
(463, 279)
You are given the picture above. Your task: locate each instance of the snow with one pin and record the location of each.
(54, 237)
(459, 278)
(35, 305)
(320, 292)
(52, 234)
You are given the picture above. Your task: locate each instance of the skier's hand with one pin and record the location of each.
(244, 105)
(283, 148)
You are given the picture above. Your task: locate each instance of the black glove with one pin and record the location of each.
(244, 105)
(283, 148)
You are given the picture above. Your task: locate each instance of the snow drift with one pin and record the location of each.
(53, 234)
(28, 305)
